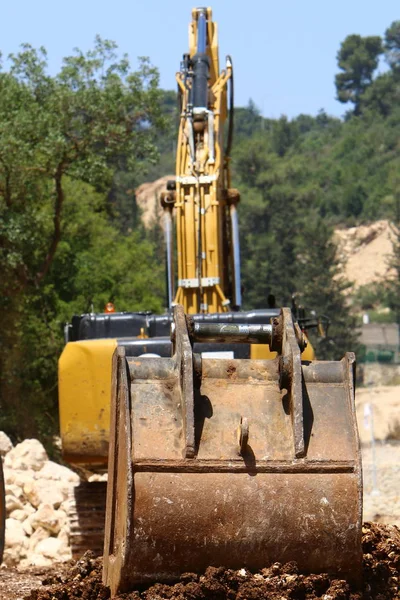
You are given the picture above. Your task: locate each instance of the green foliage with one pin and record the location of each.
(62, 141)
(393, 285)
(369, 297)
(248, 121)
(358, 59)
(392, 45)
(287, 249)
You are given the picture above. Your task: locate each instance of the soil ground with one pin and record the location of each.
(381, 573)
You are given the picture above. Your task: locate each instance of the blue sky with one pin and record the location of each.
(284, 51)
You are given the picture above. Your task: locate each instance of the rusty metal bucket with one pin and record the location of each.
(232, 462)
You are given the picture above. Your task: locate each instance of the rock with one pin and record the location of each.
(15, 534)
(22, 477)
(9, 476)
(52, 470)
(66, 505)
(5, 444)
(18, 515)
(29, 454)
(12, 504)
(12, 556)
(44, 491)
(50, 519)
(14, 490)
(27, 527)
(53, 548)
(38, 536)
(98, 477)
(28, 509)
(64, 536)
(35, 560)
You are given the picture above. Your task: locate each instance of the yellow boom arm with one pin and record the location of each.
(207, 235)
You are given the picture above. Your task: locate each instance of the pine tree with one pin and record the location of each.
(323, 289)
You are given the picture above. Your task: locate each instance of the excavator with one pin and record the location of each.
(227, 442)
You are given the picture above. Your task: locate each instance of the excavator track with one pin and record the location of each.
(87, 516)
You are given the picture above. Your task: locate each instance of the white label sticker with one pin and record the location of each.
(222, 354)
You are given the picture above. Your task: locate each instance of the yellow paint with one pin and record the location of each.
(309, 352)
(201, 213)
(262, 351)
(201, 206)
(84, 376)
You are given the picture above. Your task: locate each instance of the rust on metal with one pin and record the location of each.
(233, 462)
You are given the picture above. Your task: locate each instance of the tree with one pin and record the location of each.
(394, 264)
(357, 58)
(283, 135)
(248, 121)
(392, 45)
(61, 140)
(287, 248)
(81, 123)
(382, 96)
(323, 289)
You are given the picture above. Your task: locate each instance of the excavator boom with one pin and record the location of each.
(225, 461)
(228, 443)
(206, 221)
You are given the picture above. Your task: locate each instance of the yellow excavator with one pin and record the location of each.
(227, 442)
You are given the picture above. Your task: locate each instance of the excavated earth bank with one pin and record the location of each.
(381, 546)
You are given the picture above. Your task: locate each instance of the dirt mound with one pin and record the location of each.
(381, 546)
(148, 200)
(365, 252)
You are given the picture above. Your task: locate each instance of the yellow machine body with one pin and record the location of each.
(85, 396)
(84, 382)
(204, 204)
(238, 461)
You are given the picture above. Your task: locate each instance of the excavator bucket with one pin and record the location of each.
(233, 462)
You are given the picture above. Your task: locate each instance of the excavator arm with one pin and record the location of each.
(206, 220)
(225, 461)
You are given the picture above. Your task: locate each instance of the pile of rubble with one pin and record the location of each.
(37, 491)
(365, 252)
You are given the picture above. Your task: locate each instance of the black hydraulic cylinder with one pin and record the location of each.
(201, 68)
(232, 332)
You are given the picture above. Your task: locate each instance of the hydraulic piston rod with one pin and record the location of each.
(202, 30)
